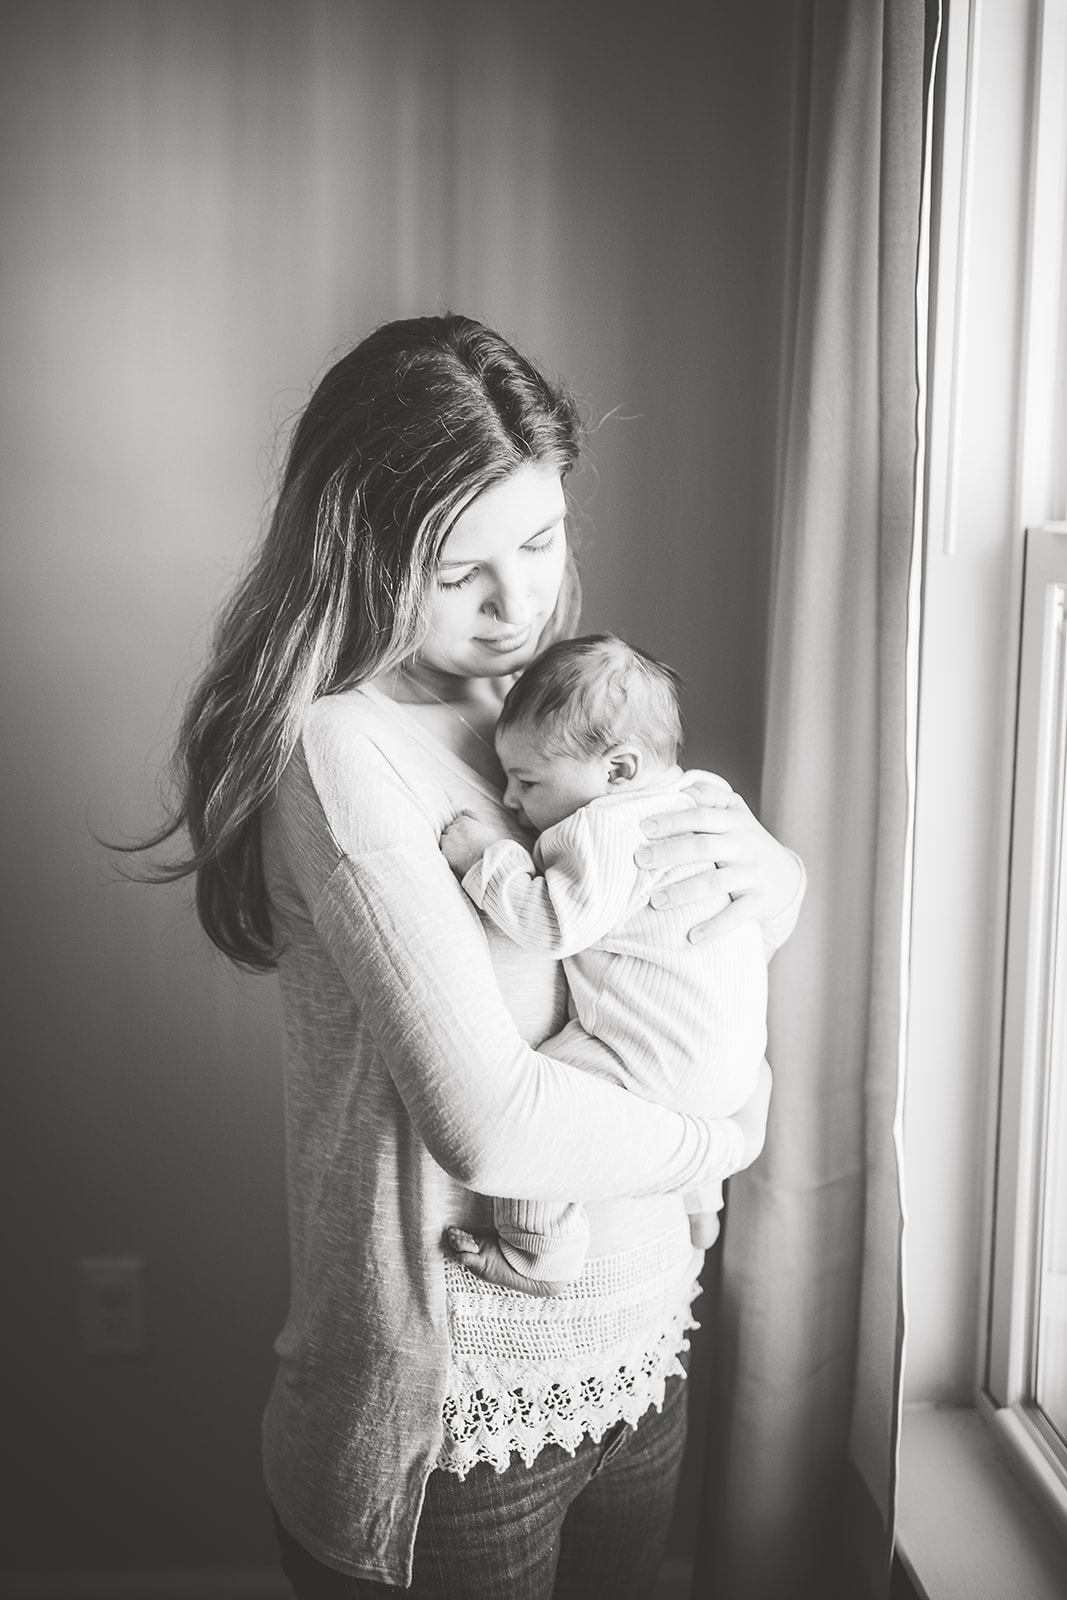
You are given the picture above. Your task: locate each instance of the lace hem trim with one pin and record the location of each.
(493, 1411)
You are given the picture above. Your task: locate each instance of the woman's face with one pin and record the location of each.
(498, 577)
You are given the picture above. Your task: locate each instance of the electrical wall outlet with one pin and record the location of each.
(111, 1311)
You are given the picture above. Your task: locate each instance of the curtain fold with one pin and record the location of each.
(809, 1335)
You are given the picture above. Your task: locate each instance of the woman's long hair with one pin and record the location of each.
(399, 436)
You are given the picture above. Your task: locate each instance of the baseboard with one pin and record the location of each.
(173, 1584)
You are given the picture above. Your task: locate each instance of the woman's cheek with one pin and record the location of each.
(554, 580)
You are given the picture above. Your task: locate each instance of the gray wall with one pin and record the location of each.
(202, 202)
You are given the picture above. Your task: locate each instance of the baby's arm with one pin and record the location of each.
(588, 882)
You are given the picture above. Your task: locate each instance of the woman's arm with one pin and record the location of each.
(497, 1115)
(764, 880)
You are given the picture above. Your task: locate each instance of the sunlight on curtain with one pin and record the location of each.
(811, 1322)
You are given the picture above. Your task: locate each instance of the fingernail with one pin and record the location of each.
(658, 899)
(651, 826)
(643, 857)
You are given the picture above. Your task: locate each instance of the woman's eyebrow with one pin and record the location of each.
(474, 561)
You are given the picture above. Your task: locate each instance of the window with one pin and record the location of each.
(985, 1264)
(1027, 1351)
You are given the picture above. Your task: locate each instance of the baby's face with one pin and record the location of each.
(544, 787)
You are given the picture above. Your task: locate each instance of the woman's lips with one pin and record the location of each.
(504, 644)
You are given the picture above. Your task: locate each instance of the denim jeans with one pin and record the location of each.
(565, 1528)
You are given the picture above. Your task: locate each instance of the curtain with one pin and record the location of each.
(809, 1336)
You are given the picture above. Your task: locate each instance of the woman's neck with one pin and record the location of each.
(461, 713)
(418, 683)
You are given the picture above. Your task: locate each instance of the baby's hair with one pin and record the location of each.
(586, 695)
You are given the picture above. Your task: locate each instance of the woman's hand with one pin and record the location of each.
(704, 1229)
(743, 859)
(752, 1117)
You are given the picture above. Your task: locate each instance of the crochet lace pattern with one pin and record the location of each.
(526, 1372)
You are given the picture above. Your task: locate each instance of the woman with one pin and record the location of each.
(427, 1430)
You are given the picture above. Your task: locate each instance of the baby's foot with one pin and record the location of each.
(482, 1255)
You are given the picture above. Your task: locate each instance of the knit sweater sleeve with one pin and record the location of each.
(498, 1116)
(588, 883)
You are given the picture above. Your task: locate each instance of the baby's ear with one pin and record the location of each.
(624, 765)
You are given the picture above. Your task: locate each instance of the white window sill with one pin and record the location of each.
(968, 1525)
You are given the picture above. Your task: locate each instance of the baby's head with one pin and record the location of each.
(589, 717)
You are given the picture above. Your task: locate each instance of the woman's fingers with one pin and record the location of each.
(707, 788)
(726, 851)
(743, 909)
(711, 819)
(744, 905)
(716, 880)
(752, 1117)
(687, 849)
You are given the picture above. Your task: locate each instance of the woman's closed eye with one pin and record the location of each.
(543, 543)
(457, 583)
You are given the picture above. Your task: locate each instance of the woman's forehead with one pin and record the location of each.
(530, 502)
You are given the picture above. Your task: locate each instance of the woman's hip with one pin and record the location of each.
(563, 1526)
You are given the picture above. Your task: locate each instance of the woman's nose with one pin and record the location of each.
(509, 600)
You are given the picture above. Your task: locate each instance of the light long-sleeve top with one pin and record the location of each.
(413, 1091)
(683, 1024)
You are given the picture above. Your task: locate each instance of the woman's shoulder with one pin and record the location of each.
(355, 765)
(349, 731)
(348, 713)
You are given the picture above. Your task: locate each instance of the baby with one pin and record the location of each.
(589, 739)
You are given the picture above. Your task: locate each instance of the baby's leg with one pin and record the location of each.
(541, 1245)
(581, 1049)
(539, 1248)
(678, 1081)
(543, 1239)
(483, 1255)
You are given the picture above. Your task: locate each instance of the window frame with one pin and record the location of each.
(978, 1498)
(1039, 820)
(1006, 1349)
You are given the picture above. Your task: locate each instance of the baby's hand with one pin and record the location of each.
(465, 841)
(482, 1255)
